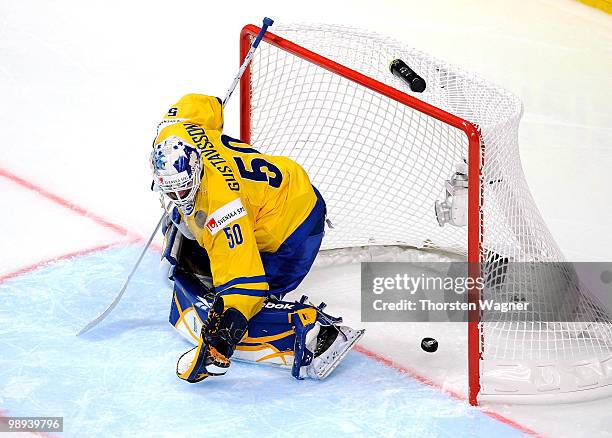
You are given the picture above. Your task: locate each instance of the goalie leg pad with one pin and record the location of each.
(220, 333)
(291, 335)
(191, 366)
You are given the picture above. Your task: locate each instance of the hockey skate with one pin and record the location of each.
(329, 344)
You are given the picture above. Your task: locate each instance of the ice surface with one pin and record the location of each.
(118, 380)
(50, 228)
(82, 87)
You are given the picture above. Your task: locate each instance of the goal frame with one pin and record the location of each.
(475, 165)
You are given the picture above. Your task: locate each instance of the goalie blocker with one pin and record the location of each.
(293, 335)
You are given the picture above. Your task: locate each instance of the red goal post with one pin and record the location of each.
(475, 162)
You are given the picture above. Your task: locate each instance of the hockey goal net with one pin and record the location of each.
(324, 96)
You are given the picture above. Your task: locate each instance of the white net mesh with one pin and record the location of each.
(381, 166)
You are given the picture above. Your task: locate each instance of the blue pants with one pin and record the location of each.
(287, 267)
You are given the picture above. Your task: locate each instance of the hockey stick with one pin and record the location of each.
(110, 308)
(267, 22)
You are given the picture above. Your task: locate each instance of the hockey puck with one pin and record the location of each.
(401, 70)
(429, 345)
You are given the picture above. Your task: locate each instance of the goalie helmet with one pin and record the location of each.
(177, 172)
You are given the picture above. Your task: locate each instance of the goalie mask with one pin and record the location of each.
(177, 172)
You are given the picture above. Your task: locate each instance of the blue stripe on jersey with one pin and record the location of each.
(241, 280)
(240, 291)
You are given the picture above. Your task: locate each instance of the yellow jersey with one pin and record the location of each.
(247, 203)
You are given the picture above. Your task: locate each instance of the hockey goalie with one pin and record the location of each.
(244, 231)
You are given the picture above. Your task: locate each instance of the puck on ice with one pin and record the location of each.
(429, 345)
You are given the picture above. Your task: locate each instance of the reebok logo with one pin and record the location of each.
(225, 216)
(285, 306)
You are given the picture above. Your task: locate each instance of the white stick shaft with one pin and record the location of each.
(243, 67)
